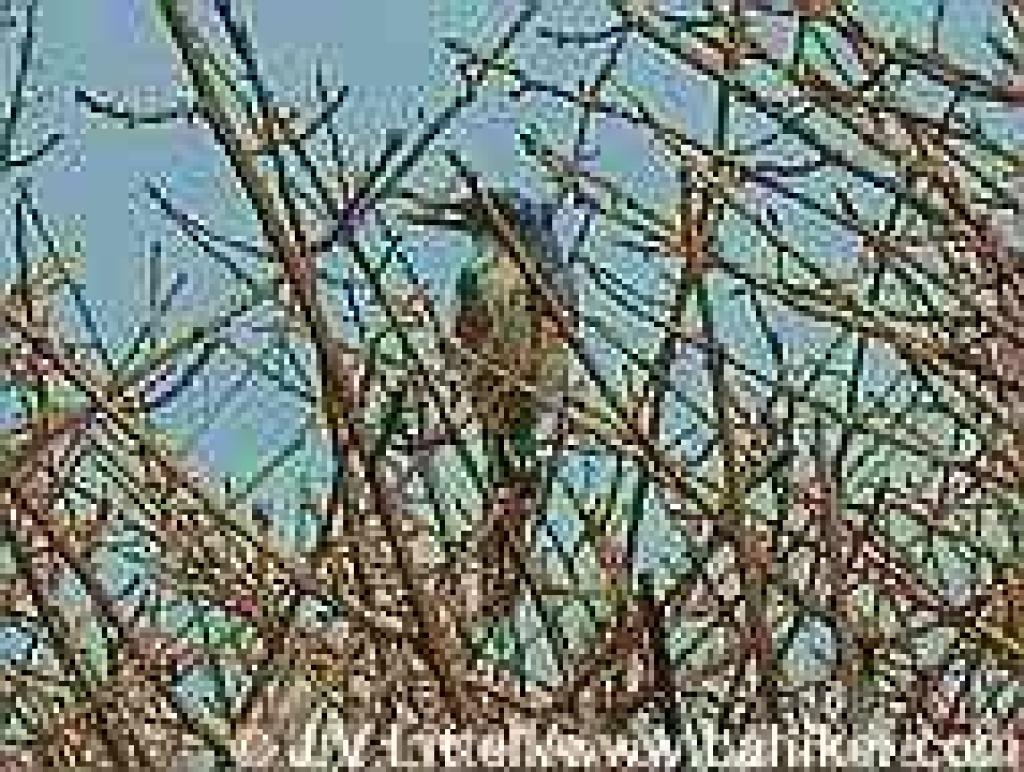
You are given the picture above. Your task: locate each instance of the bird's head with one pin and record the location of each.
(494, 217)
(485, 216)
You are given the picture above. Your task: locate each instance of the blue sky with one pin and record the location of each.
(389, 52)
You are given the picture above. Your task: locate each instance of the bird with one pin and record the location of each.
(509, 295)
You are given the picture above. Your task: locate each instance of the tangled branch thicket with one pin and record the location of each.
(779, 481)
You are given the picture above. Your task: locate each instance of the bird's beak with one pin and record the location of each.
(424, 212)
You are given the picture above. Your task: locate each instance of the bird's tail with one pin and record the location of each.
(510, 442)
(504, 545)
